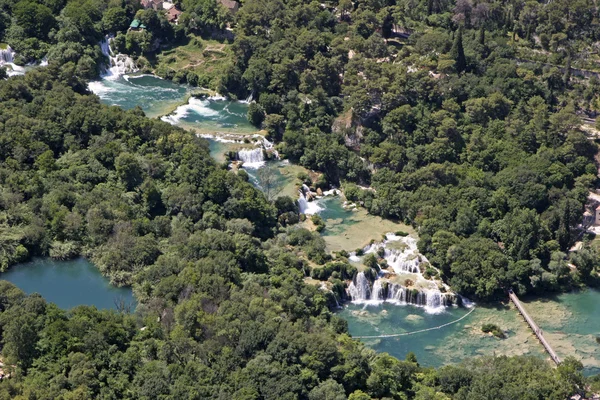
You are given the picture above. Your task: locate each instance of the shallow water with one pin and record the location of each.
(154, 95)
(159, 97)
(284, 180)
(68, 283)
(212, 115)
(570, 323)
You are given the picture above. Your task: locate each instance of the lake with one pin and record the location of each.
(68, 283)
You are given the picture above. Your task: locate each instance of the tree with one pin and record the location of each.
(115, 20)
(256, 115)
(328, 390)
(458, 52)
(268, 181)
(36, 19)
(128, 170)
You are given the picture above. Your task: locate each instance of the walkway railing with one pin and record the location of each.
(534, 327)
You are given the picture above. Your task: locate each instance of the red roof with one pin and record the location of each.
(173, 14)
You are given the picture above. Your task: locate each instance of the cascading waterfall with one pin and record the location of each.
(360, 289)
(252, 158)
(377, 292)
(119, 64)
(433, 300)
(404, 259)
(305, 205)
(429, 298)
(7, 57)
(270, 148)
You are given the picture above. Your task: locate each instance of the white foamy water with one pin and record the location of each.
(7, 59)
(252, 158)
(403, 259)
(194, 106)
(119, 64)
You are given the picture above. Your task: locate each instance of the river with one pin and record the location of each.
(570, 321)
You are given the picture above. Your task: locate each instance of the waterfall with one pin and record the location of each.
(248, 99)
(252, 158)
(7, 57)
(270, 148)
(407, 259)
(119, 64)
(402, 255)
(359, 289)
(305, 205)
(433, 300)
(377, 292)
(400, 262)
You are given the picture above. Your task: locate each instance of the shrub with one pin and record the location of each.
(493, 329)
(318, 221)
(256, 114)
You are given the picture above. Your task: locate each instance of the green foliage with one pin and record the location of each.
(318, 221)
(489, 164)
(341, 270)
(494, 329)
(256, 114)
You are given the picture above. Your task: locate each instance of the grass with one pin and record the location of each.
(207, 58)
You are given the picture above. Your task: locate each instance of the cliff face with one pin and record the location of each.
(350, 127)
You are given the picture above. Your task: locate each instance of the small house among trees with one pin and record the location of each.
(173, 15)
(230, 5)
(155, 4)
(136, 25)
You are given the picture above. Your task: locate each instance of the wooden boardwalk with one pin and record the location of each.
(533, 326)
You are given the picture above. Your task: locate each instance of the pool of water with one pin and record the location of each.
(154, 95)
(160, 97)
(68, 283)
(212, 115)
(570, 323)
(279, 176)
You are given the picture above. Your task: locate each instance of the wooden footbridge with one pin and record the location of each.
(533, 326)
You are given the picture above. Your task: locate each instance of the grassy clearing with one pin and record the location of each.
(290, 172)
(207, 58)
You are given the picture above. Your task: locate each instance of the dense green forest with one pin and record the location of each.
(429, 103)
(224, 312)
(482, 153)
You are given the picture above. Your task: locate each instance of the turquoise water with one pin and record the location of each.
(212, 115)
(154, 95)
(158, 97)
(68, 283)
(337, 218)
(570, 323)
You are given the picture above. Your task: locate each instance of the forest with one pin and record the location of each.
(428, 103)
(482, 153)
(224, 311)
